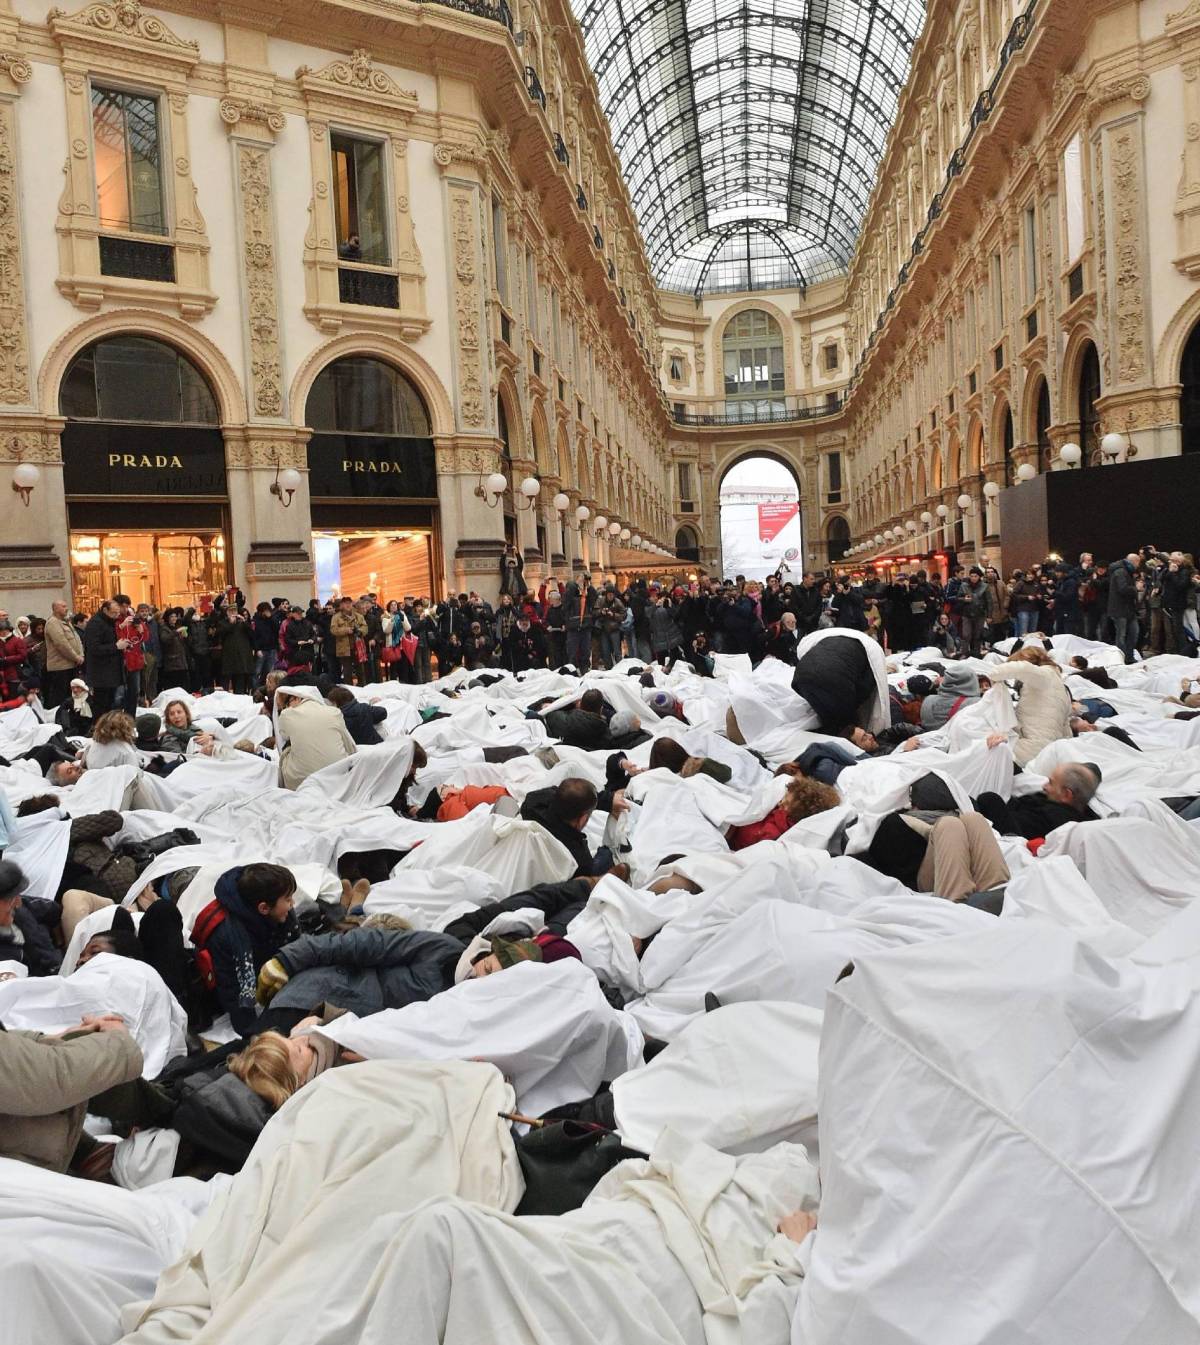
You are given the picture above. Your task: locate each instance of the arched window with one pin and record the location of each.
(1042, 430)
(502, 426)
(1189, 401)
(1089, 395)
(687, 547)
(135, 378)
(838, 537)
(752, 354)
(359, 395)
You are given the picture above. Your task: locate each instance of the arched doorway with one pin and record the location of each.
(1189, 399)
(373, 482)
(144, 475)
(687, 544)
(837, 537)
(1042, 428)
(760, 518)
(1089, 395)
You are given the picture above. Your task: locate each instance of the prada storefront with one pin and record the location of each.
(144, 475)
(372, 482)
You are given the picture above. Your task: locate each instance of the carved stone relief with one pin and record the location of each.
(258, 260)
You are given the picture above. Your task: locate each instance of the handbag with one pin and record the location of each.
(360, 649)
(390, 653)
(562, 1162)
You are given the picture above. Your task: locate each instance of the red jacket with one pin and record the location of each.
(13, 653)
(770, 828)
(135, 632)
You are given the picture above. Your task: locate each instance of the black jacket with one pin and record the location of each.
(239, 946)
(1030, 815)
(835, 678)
(361, 719)
(576, 727)
(559, 903)
(539, 807)
(104, 667)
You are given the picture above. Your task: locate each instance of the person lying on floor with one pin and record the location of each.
(579, 725)
(564, 811)
(953, 855)
(91, 864)
(1066, 798)
(671, 755)
(803, 798)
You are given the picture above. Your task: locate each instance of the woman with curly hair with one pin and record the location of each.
(1043, 703)
(804, 797)
(112, 742)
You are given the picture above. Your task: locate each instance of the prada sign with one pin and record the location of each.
(342, 466)
(162, 460)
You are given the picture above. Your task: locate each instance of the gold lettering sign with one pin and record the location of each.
(152, 460)
(388, 467)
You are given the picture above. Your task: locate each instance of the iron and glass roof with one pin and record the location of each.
(749, 131)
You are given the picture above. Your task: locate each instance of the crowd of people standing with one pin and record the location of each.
(1144, 602)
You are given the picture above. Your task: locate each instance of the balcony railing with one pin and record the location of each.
(500, 12)
(561, 152)
(534, 85)
(755, 410)
(137, 260)
(374, 289)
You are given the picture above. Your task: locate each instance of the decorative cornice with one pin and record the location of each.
(356, 75)
(123, 21)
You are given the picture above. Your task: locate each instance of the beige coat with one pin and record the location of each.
(344, 626)
(1043, 709)
(45, 1084)
(64, 648)
(317, 736)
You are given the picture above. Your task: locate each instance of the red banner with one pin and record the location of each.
(773, 518)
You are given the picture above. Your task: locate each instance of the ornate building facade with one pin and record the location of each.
(281, 313)
(281, 310)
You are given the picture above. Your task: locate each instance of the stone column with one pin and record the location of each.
(271, 541)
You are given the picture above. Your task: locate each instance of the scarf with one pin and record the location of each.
(81, 706)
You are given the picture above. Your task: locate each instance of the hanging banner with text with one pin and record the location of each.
(773, 518)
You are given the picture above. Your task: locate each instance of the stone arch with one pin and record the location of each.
(583, 473)
(566, 471)
(953, 461)
(204, 355)
(975, 447)
(1025, 423)
(922, 487)
(1174, 339)
(735, 455)
(539, 433)
(994, 440)
(403, 358)
(1082, 335)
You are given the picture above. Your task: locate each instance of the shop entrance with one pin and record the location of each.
(165, 569)
(385, 561)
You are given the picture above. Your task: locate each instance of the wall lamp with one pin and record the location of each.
(1114, 444)
(531, 488)
(285, 485)
(25, 477)
(491, 489)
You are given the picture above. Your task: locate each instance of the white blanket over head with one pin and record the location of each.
(76, 1252)
(547, 1026)
(356, 1144)
(1008, 1127)
(105, 984)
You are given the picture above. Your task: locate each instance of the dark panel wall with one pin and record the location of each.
(1107, 510)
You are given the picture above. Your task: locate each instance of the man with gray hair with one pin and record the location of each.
(1066, 798)
(1122, 603)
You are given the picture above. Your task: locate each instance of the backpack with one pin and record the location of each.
(207, 923)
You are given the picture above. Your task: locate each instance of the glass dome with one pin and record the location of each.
(749, 132)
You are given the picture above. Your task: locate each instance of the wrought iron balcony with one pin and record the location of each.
(755, 410)
(561, 152)
(534, 85)
(598, 238)
(580, 196)
(499, 13)
(373, 289)
(137, 260)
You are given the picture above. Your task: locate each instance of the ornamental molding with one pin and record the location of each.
(123, 23)
(31, 446)
(267, 453)
(246, 112)
(356, 79)
(1129, 304)
(14, 331)
(467, 307)
(258, 261)
(17, 68)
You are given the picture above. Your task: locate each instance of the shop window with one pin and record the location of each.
(134, 378)
(364, 396)
(128, 147)
(359, 196)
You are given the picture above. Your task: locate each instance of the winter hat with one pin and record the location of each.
(919, 685)
(960, 681)
(623, 722)
(661, 702)
(508, 952)
(149, 728)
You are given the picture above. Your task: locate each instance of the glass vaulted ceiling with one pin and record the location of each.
(749, 131)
